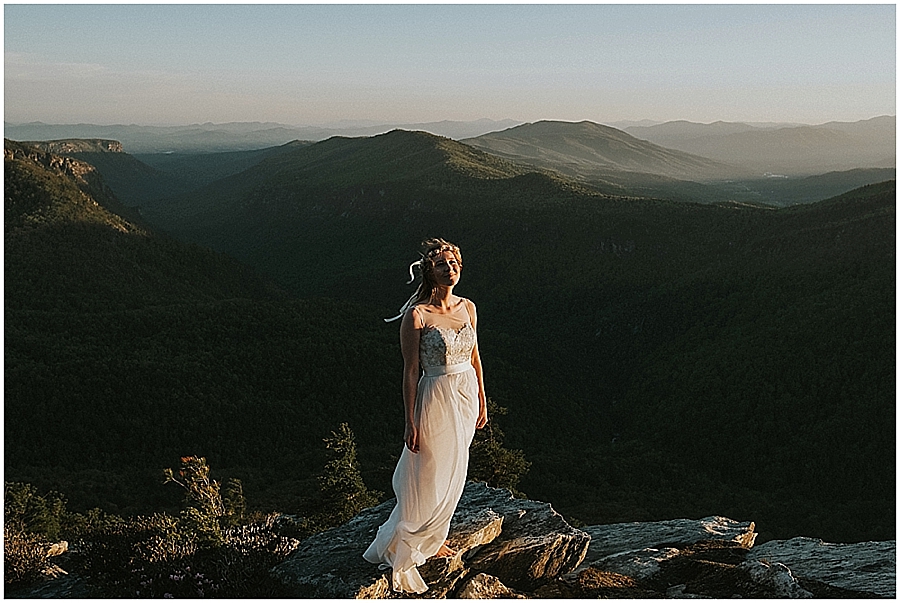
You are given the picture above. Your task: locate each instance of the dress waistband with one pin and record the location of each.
(446, 369)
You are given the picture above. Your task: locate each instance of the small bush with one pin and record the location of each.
(159, 556)
(209, 550)
(24, 556)
(209, 509)
(26, 511)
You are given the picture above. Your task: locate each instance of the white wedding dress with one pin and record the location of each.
(428, 484)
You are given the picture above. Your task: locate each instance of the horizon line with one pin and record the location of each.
(352, 124)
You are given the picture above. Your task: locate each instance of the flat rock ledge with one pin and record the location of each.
(621, 538)
(715, 557)
(868, 569)
(506, 548)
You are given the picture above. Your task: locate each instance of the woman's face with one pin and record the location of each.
(447, 269)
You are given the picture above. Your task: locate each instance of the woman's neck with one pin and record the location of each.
(442, 297)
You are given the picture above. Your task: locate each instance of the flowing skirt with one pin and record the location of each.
(428, 484)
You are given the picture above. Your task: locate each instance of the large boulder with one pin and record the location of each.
(866, 568)
(520, 543)
(330, 564)
(485, 586)
(624, 538)
(536, 544)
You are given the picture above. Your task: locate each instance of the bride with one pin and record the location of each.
(443, 394)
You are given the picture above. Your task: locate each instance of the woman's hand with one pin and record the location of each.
(482, 417)
(412, 438)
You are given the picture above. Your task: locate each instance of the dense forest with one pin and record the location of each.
(657, 359)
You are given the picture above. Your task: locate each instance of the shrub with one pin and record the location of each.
(209, 550)
(24, 556)
(159, 556)
(25, 511)
(490, 462)
(208, 510)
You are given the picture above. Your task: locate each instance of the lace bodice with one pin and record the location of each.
(443, 345)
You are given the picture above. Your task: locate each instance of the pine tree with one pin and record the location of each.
(344, 494)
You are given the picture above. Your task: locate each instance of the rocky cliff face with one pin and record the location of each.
(78, 145)
(513, 548)
(83, 173)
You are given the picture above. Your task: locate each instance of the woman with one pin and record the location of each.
(443, 394)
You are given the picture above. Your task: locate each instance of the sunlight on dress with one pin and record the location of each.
(428, 485)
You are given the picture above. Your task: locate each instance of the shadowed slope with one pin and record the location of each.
(68, 238)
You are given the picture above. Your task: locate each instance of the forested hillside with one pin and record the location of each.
(126, 350)
(658, 359)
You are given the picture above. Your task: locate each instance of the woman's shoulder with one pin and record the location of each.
(468, 303)
(415, 310)
(413, 316)
(469, 306)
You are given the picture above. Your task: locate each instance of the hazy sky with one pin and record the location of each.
(316, 64)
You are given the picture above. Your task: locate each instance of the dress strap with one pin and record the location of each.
(466, 303)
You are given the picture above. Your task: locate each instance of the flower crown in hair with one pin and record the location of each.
(420, 264)
(439, 250)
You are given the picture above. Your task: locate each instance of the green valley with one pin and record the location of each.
(658, 358)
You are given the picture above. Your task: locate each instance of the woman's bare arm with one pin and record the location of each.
(476, 363)
(410, 331)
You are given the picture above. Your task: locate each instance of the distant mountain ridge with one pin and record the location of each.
(238, 136)
(588, 149)
(603, 158)
(395, 155)
(352, 176)
(799, 150)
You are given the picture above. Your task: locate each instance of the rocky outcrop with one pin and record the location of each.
(535, 545)
(865, 568)
(84, 174)
(716, 557)
(616, 539)
(503, 545)
(485, 586)
(78, 145)
(511, 548)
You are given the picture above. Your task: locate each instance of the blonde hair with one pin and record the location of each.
(431, 250)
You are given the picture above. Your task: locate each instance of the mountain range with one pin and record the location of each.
(783, 149)
(606, 159)
(597, 153)
(240, 136)
(721, 357)
(795, 151)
